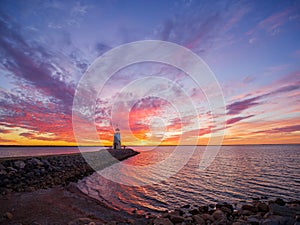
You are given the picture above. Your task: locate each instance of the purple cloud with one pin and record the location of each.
(237, 119)
(286, 129)
(33, 65)
(239, 106)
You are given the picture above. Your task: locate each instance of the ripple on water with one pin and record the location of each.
(237, 174)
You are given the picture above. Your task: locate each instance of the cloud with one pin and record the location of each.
(272, 24)
(237, 119)
(33, 64)
(4, 131)
(239, 106)
(198, 26)
(285, 129)
(3, 140)
(101, 48)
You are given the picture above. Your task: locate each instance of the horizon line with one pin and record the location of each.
(138, 145)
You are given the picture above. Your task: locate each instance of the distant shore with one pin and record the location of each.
(42, 190)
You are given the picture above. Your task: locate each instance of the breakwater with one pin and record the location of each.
(32, 173)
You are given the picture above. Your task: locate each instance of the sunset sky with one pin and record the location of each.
(252, 47)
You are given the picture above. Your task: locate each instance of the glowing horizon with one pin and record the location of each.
(252, 48)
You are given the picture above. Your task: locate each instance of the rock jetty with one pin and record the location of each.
(29, 174)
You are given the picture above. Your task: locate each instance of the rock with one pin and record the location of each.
(8, 215)
(3, 172)
(11, 169)
(226, 210)
(262, 207)
(176, 219)
(178, 212)
(295, 208)
(203, 209)
(186, 206)
(280, 202)
(19, 164)
(270, 222)
(206, 217)
(250, 208)
(194, 211)
(198, 220)
(46, 163)
(218, 215)
(281, 210)
(35, 162)
(253, 220)
(225, 207)
(2, 167)
(162, 221)
(112, 223)
(81, 221)
(238, 223)
(246, 212)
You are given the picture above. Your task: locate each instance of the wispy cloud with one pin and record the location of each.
(239, 106)
(237, 119)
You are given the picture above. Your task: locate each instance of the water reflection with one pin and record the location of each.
(237, 174)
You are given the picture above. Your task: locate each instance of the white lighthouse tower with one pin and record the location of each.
(117, 139)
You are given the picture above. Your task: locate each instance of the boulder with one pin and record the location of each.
(3, 172)
(219, 215)
(194, 211)
(226, 210)
(262, 207)
(253, 220)
(19, 164)
(35, 162)
(81, 221)
(203, 209)
(281, 210)
(206, 217)
(250, 208)
(162, 221)
(270, 222)
(280, 202)
(176, 219)
(198, 220)
(246, 212)
(186, 206)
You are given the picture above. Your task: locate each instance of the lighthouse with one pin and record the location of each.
(117, 139)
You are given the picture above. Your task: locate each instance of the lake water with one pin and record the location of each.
(237, 174)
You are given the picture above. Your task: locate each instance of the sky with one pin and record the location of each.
(252, 48)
